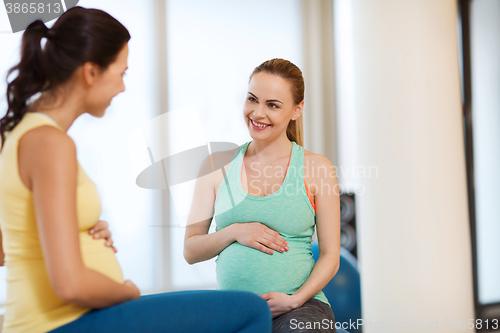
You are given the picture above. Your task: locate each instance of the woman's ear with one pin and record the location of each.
(298, 110)
(90, 72)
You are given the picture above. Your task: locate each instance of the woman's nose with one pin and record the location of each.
(259, 111)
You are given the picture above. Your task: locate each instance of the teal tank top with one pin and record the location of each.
(287, 211)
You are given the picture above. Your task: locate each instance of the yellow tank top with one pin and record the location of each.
(32, 304)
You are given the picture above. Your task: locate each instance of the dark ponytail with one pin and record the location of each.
(30, 78)
(79, 35)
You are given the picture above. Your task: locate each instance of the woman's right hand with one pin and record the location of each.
(259, 236)
(134, 291)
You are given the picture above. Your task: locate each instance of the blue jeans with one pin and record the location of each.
(217, 311)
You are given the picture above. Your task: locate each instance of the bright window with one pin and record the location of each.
(213, 47)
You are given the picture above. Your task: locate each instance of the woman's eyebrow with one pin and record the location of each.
(274, 100)
(269, 100)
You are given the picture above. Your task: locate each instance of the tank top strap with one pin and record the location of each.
(237, 162)
(243, 149)
(9, 153)
(297, 160)
(33, 120)
(295, 166)
(298, 168)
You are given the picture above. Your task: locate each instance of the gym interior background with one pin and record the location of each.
(401, 96)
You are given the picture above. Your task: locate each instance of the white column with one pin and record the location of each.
(485, 75)
(414, 249)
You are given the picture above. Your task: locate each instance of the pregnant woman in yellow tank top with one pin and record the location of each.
(59, 277)
(266, 204)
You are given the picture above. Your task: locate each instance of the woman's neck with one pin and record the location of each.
(269, 150)
(63, 112)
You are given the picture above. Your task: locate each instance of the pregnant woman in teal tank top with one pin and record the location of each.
(266, 205)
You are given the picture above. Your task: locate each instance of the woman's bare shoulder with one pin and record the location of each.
(315, 160)
(42, 148)
(213, 164)
(46, 142)
(316, 169)
(46, 137)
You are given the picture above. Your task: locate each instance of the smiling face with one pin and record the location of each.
(269, 106)
(105, 85)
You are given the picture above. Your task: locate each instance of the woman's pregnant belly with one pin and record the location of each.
(30, 293)
(243, 268)
(99, 257)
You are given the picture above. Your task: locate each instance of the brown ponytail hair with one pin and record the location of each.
(79, 35)
(288, 71)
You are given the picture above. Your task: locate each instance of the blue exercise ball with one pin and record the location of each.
(344, 290)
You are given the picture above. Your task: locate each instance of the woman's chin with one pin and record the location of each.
(98, 114)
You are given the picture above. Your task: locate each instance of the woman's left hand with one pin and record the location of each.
(101, 230)
(280, 303)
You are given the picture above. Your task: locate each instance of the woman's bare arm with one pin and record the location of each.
(199, 245)
(327, 202)
(48, 166)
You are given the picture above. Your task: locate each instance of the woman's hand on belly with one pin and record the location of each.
(101, 231)
(258, 236)
(280, 303)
